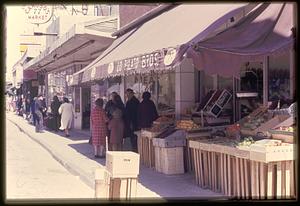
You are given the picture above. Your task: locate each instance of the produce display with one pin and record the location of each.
(246, 142)
(155, 128)
(254, 122)
(187, 125)
(286, 129)
(163, 119)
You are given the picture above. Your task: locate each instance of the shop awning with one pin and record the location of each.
(267, 30)
(80, 45)
(152, 45)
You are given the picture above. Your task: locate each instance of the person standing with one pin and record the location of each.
(116, 124)
(38, 110)
(27, 108)
(99, 121)
(109, 104)
(55, 104)
(147, 112)
(67, 113)
(131, 113)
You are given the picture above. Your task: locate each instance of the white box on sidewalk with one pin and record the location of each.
(122, 164)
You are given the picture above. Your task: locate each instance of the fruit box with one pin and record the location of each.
(263, 153)
(284, 136)
(122, 164)
(149, 134)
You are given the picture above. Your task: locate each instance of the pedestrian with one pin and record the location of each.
(20, 106)
(27, 108)
(131, 113)
(38, 109)
(32, 110)
(99, 121)
(147, 112)
(109, 104)
(55, 104)
(67, 113)
(116, 124)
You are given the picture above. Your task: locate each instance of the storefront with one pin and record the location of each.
(83, 41)
(150, 68)
(232, 75)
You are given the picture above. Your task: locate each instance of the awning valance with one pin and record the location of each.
(267, 30)
(156, 43)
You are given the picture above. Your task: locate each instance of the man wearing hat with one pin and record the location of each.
(131, 123)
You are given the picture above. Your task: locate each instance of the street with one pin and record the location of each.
(31, 172)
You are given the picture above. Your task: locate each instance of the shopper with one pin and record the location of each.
(55, 104)
(32, 110)
(67, 113)
(27, 108)
(116, 124)
(38, 109)
(147, 112)
(99, 128)
(109, 104)
(131, 111)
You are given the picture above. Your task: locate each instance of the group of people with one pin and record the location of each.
(118, 121)
(61, 114)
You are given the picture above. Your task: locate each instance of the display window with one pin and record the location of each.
(161, 86)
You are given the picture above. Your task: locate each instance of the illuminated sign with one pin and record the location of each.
(38, 14)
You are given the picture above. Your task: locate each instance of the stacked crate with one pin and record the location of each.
(121, 174)
(146, 149)
(244, 173)
(169, 153)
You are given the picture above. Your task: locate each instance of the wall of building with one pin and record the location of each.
(129, 12)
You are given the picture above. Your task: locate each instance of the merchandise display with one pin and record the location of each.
(187, 125)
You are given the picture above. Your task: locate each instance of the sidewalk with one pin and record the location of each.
(76, 154)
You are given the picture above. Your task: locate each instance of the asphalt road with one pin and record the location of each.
(31, 172)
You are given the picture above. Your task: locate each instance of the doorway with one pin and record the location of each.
(86, 107)
(249, 89)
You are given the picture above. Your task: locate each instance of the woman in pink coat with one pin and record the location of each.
(99, 128)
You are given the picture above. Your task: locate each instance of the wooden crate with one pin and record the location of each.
(267, 154)
(146, 151)
(118, 188)
(266, 126)
(284, 136)
(169, 160)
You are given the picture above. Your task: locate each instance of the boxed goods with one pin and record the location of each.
(122, 164)
(187, 125)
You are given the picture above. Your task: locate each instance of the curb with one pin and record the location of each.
(69, 166)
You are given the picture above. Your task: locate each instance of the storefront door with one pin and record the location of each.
(86, 107)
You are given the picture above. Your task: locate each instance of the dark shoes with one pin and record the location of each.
(67, 135)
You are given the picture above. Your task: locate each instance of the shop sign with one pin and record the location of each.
(147, 61)
(110, 68)
(170, 56)
(93, 73)
(38, 14)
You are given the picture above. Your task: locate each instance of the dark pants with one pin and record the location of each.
(133, 140)
(56, 121)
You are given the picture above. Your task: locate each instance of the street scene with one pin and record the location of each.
(150, 102)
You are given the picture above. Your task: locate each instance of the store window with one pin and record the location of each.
(166, 91)
(161, 87)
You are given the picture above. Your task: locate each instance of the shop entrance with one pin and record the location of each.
(249, 89)
(86, 107)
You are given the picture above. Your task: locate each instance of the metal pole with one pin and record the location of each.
(266, 80)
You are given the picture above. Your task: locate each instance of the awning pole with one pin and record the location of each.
(266, 80)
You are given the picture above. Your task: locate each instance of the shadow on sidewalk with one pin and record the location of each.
(86, 149)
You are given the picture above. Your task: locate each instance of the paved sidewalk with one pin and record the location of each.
(76, 154)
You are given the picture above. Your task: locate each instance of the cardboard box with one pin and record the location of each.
(122, 164)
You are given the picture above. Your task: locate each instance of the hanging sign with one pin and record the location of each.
(170, 56)
(38, 14)
(93, 73)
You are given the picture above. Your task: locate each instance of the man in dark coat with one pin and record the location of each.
(109, 105)
(131, 124)
(147, 112)
(39, 109)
